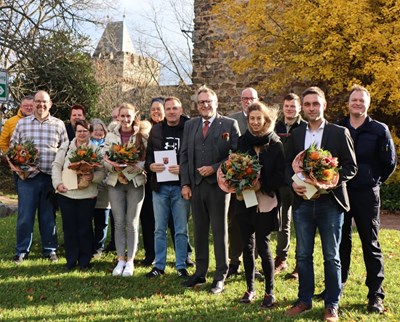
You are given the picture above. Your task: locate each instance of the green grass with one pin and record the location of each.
(37, 290)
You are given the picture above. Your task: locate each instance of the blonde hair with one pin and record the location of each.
(270, 114)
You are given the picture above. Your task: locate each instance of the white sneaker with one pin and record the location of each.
(119, 268)
(128, 270)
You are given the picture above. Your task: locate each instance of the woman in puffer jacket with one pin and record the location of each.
(126, 189)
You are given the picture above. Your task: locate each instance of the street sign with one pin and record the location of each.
(3, 86)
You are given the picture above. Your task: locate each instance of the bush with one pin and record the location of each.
(390, 196)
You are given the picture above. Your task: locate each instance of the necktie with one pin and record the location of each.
(205, 128)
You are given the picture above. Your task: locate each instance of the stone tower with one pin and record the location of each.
(116, 61)
(209, 63)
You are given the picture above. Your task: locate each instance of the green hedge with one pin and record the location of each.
(390, 196)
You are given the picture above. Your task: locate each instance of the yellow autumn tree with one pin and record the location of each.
(330, 43)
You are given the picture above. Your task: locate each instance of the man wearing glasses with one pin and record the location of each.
(48, 133)
(248, 97)
(207, 141)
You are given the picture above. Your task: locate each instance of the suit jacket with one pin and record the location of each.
(338, 141)
(242, 121)
(221, 138)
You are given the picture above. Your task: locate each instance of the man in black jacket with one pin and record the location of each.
(291, 119)
(376, 159)
(167, 199)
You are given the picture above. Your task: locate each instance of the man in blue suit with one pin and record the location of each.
(325, 210)
(207, 141)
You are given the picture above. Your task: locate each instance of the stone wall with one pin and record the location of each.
(209, 63)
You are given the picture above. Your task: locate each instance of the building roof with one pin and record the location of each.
(115, 39)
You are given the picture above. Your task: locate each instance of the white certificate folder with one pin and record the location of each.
(168, 158)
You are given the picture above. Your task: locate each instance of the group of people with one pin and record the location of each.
(161, 189)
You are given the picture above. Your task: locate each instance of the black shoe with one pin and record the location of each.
(319, 296)
(233, 270)
(69, 267)
(18, 259)
(52, 257)
(268, 301)
(189, 262)
(155, 272)
(259, 276)
(193, 281)
(85, 268)
(248, 297)
(375, 305)
(217, 287)
(183, 273)
(147, 262)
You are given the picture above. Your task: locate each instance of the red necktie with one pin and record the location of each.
(205, 128)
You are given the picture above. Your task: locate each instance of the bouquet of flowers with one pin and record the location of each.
(240, 172)
(83, 160)
(23, 158)
(122, 155)
(318, 167)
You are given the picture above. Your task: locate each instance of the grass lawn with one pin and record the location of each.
(40, 291)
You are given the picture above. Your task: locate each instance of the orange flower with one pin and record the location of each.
(81, 153)
(315, 155)
(328, 174)
(116, 148)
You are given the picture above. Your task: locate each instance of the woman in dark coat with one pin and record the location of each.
(257, 222)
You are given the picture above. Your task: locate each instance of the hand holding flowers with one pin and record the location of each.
(84, 160)
(318, 167)
(121, 156)
(240, 172)
(23, 158)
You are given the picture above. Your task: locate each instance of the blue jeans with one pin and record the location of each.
(326, 215)
(165, 202)
(33, 194)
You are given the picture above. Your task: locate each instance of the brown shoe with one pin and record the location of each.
(331, 314)
(297, 308)
(280, 265)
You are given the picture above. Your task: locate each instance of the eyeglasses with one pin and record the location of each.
(39, 101)
(203, 103)
(248, 98)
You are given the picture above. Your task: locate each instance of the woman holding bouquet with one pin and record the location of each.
(77, 205)
(126, 185)
(257, 222)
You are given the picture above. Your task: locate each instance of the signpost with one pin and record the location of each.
(3, 86)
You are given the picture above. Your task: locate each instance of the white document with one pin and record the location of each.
(69, 179)
(299, 179)
(168, 158)
(250, 198)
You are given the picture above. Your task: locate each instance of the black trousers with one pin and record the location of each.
(77, 216)
(365, 209)
(147, 222)
(255, 230)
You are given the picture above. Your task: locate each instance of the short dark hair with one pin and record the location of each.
(77, 107)
(313, 90)
(173, 98)
(85, 124)
(159, 99)
(292, 97)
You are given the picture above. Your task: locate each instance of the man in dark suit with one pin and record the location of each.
(325, 210)
(248, 97)
(207, 141)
